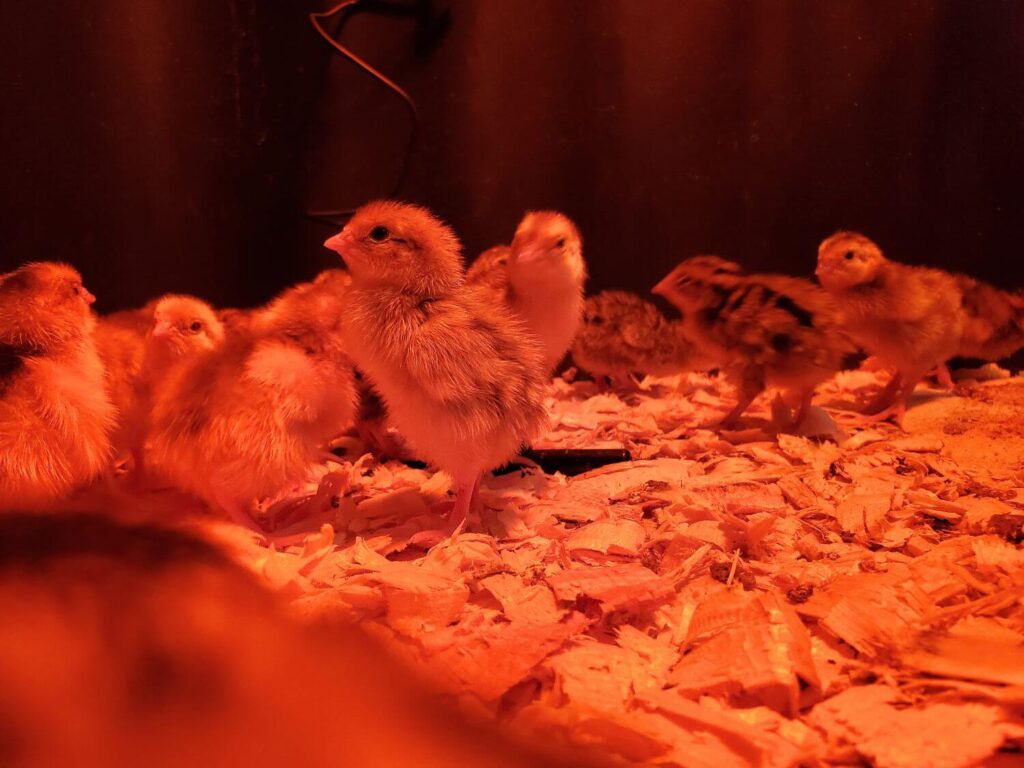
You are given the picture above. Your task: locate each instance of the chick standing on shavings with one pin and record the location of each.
(540, 278)
(762, 330)
(462, 380)
(623, 334)
(911, 318)
(55, 414)
(247, 420)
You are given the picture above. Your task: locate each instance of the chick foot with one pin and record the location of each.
(884, 400)
(893, 413)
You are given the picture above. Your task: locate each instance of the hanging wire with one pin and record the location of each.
(349, 8)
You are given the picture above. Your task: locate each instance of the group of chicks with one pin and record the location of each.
(790, 333)
(235, 406)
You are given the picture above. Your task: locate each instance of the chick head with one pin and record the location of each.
(688, 286)
(400, 246)
(44, 306)
(186, 324)
(848, 259)
(547, 245)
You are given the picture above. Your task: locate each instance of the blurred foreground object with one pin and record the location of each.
(134, 645)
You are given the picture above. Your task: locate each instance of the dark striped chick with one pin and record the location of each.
(762, 330)
(623, 334)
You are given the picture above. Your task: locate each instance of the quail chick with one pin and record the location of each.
(462, 380)
(55, 414)
(247, 419)
(179, 326)
(911, 318)
(762, 330)
(622, 334)
(540, 278)
(490, 270)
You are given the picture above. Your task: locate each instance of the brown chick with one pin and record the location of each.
(462, 380)
(540, 278)
(911, 318)
(247, 419)
(994, 320)
(55, 414)
(622, 334)
(762, 330)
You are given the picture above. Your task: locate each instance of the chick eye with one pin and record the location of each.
(848, 255)
(560, 243)
(196, 327)
(379, 234)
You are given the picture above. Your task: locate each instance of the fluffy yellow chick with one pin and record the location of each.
(622, 334)
(540, 278)
(247, 419)
(462, 380)
(911, 318)
(136, 356)
(762, 330)
(55, 414)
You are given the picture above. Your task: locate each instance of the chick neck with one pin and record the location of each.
(423, 288)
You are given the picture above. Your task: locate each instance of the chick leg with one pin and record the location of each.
(467, 487)
(944, 377)
(900, 399)
(883, 401)
(747, 392)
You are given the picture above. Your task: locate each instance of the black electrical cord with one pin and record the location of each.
(350, 7)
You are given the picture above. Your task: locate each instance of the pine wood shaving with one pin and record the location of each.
(724, 600)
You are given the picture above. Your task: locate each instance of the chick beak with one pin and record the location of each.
(661, 289)
(88, 297)
(528, 255)
(339, 242)
(162, 329)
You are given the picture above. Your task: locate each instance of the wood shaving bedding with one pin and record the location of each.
(725, 599)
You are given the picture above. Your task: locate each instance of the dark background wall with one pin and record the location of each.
(176, 146)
